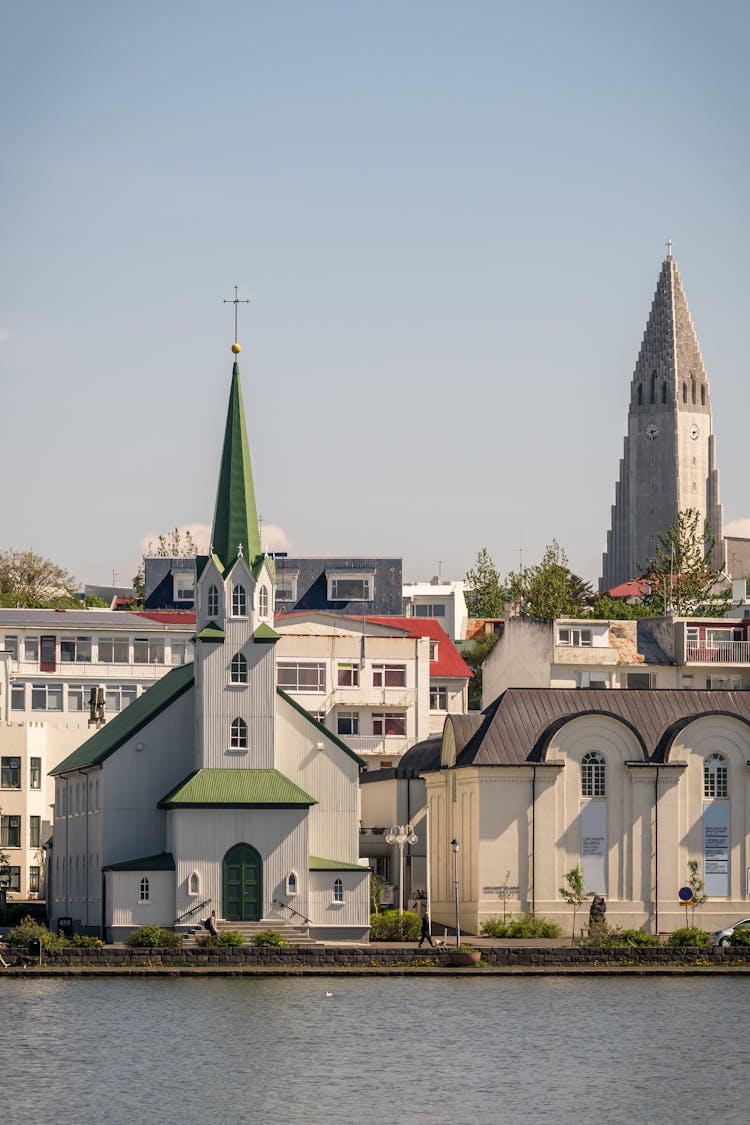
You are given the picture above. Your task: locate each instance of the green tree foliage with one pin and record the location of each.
(475, 653)
(28, 580)
(485, 593)
(681, 571)
(176, 544)
(617, 609)
(392, 926)
(549, 589)
(573, 892)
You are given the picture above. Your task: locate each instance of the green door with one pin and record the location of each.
(243, 884)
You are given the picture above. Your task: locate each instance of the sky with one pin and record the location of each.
(448, 219)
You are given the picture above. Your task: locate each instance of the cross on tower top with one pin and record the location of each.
(235, 301)
(669, 244)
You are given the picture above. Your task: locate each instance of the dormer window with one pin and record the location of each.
(263, 601)
(213, 602)
(239, 601)
(349, 586)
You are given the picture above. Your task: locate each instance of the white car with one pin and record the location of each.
(724, 937)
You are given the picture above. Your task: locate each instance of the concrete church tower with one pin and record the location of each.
(669, 458)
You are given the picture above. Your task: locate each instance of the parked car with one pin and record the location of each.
(724, 937)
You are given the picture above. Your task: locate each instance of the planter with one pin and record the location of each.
(464, 956)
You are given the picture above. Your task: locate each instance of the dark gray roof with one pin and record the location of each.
(99, 619)
(519, 725)
(649, 649)
(421, 757)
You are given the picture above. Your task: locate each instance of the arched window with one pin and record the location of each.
(684, 392)
(194, 884)
(692, 387)
(652, 398)
(703, 394)
(715, 777)
(640, 394)
(263, 601)
(239, 669)
(145, 890)
(239, 601)
(664, 391)
(291, 883)
(338, 890)
(593, 775)
(238, 735)
(213, 602)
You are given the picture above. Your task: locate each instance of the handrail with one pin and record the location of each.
(192, 910)
(286, 906)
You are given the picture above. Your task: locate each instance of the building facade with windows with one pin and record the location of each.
(631, 785)
(50, 663)
(215, 790)
(445, 601)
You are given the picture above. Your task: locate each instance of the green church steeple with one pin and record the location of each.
(235, 517)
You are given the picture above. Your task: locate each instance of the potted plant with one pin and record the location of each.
(463, 955)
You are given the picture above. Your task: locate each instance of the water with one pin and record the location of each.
(429, 1051)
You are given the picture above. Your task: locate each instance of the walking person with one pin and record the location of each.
(210, 924)
(425, 935)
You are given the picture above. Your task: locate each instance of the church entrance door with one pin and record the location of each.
(243, 884)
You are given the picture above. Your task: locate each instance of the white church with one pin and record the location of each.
(214, 790)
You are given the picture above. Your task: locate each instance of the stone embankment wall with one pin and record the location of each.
(375, 956)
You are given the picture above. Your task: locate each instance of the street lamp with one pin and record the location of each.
(455, 845)
(401, 834)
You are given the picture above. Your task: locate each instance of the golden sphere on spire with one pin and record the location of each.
(236, 348)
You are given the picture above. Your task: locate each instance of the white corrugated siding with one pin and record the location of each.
(353, 911)
(123, 898)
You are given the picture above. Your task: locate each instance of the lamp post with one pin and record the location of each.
(455, 845)
(401, 834)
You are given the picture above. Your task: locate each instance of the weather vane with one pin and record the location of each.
(235, 301)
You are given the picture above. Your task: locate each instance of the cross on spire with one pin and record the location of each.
(235, 301)
(669, 245)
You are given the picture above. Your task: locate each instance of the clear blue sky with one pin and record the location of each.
(449, 219)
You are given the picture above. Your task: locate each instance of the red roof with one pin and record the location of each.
(168, 616)
(634, 589)
(449, 661)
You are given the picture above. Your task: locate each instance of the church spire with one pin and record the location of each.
(235, 527)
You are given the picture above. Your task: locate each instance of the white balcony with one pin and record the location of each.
(718, 652)
(389, 697)
(377, 744)
(92, 671)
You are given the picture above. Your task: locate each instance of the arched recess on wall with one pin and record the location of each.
(545, 739)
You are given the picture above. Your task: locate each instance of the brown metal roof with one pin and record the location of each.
(518, 727)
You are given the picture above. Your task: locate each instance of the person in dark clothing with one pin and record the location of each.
(211, 926)
(425, 935)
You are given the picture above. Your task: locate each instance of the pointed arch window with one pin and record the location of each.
(692, 388)
(263, 601)
(213, 602)
(593, 775)
(239, 669)
(652, 398)
(715, 778)
(291, 883)
(238, 735)
(239, 601)
(194, 884)
(338, 890)
(703, 394)
(684, 392)
(145, 890)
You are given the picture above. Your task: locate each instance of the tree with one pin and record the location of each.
(28, 580)
(176, 544)
(573, 892)
(377, 886)
(682, 576)
(549, 589)
(618, 609)
(485, 593)
(696, 886)
(475, 653)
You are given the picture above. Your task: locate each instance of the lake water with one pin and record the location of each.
(428, 1051)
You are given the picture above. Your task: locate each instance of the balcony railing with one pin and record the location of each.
(371, 697)
(718, 652)
(377, 744)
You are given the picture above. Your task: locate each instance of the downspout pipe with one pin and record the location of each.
(533, 839)
(656, 852)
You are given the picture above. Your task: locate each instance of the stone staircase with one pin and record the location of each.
(293, 935)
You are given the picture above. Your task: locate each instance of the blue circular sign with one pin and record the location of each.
(685, 895)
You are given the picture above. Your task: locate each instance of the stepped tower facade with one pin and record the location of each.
(669, 456)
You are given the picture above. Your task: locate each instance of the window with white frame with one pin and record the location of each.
(715, 777)
(263, 601)
(389, 675)
(35, 831)
(291, 883)
(75, 650)
(213, 602)
(239, 669)
(389, 723)
(118, 696)
(18, 697)
(238, 735)
(178, 651)
(350, 587)
(114, 650)
(347, 722)
(10, 644)
(184, 588)
(145, 890)
(438, 697)
(338, 890)
(301, 676)
(46, 697)
(640, 679)
(433, 650)
(10, 877)
(35, 773)
(148, 650)
(239, 601)
(578, 638)
(724, 683)
(194, 884)
(78, 697)
(427, 609)
(34, 879)
(286, 589)
(347, 675)
(593, 775)
(31, 649)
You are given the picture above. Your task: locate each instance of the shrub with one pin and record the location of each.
(392, 926)
(267, 938)
(28, 928)
(84, 941)
(629, 938)
(153, 937)
(521, 926)
(690, 935)
(741, 936)
(226, 937)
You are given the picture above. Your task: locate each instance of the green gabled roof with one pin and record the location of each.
(164, 861)
(211, 633)
(128, 722)
(323, 730)
(235, 516)
(264, 632)
(317, 864)
(238, 789)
